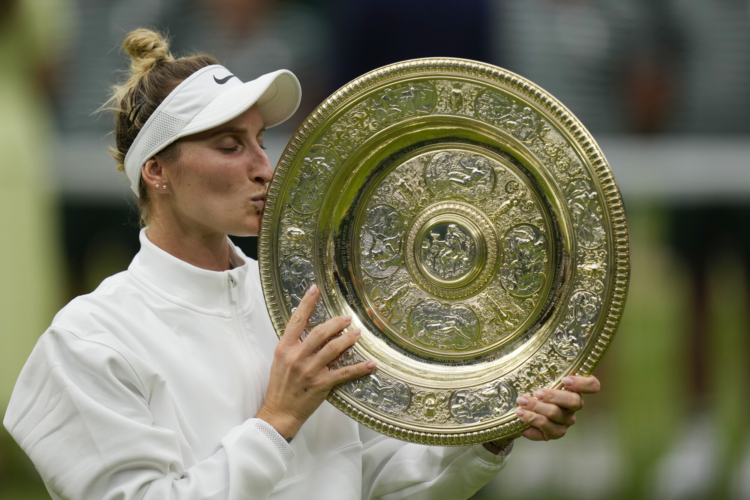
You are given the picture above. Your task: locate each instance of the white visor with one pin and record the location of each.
(206, 99)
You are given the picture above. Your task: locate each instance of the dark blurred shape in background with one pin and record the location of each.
(663, 85)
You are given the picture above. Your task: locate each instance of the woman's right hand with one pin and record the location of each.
(300, 380)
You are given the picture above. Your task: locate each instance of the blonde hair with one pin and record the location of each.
(154, 73)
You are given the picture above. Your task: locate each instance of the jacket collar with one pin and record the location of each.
(204, 290)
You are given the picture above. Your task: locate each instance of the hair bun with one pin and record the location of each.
(146, 48)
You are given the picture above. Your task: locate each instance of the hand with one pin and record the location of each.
(300, 380)
(550, 412)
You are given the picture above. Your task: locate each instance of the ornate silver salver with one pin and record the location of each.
(470, 225)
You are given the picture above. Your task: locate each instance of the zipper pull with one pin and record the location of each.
(232, 289)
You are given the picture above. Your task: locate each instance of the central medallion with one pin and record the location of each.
(448, 252)
(452, 250)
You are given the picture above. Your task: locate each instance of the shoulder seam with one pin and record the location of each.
(84, 339)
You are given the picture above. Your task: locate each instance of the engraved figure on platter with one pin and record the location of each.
(525, 257)
(311, 179)
(402, 101)
(524, 124)
(392, 396)
(381, 241)
(469, 176)
(484, 403)
(443, 325)
(492, 106)
(297, 275)
(570, 337)
(586, 212)
(450, 257)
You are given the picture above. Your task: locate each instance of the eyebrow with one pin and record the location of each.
(233, 130)
(228, 130)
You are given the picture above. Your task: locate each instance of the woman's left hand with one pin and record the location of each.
(550, 412)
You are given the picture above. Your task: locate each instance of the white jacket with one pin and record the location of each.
(147, 389)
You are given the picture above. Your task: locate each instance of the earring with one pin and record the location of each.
(164, 186)
(157, 186)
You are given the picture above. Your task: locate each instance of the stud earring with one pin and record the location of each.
(157, 186)
(164, 186)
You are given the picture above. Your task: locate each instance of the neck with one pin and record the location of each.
(204, 249)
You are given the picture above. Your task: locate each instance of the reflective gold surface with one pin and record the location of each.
(470, 225)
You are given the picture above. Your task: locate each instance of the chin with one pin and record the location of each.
(251, 227)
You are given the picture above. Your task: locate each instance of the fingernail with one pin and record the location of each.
(357, 332)
(312, 289)
(519, 412)
(522, 401)
(568, 382)
(347, 318)
(371, 365)
(539, 395)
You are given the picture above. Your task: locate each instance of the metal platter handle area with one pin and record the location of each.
(470, 225)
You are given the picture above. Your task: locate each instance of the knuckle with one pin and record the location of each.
(572, 420)
(332, 349)
(296, 319)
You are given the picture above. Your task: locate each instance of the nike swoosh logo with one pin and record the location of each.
(223, 80)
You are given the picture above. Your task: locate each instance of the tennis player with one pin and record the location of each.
(168, 381)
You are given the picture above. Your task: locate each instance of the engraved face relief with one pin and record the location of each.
(430, 406)
(385, 393)
(448, 251)
(525, 257)
(312, 178)
(586, 212)
(381, 241)
(456, 98)
(444, 325)
(469, 406)
(469, 176)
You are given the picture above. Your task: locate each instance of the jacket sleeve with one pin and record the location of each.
(81, 413)
(394, 469)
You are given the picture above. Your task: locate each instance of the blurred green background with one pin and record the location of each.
(663, 85)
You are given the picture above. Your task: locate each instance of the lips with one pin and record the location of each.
(259, 201)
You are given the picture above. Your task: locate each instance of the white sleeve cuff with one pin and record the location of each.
(490, 458)
(286, 451)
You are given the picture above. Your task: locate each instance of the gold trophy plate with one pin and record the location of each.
(470, 225)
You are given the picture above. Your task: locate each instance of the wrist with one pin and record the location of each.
(286, 425)
(500, 447)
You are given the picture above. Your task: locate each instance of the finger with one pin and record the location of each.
(583, 385)
(320, 334)
(298, 321)
(335, 347)
(551, 430)
(533, 434)
(351, 372)
(564, 399)
(549, 410)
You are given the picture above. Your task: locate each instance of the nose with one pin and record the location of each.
(261, 172)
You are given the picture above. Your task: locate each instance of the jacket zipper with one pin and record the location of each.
(239, 333)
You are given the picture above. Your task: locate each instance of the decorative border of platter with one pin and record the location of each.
(570, 349)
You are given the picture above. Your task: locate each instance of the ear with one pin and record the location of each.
(154, 176)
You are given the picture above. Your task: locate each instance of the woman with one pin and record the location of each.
(168, 381)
